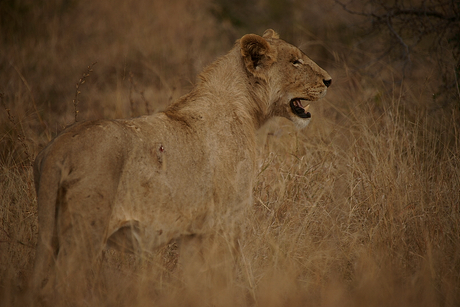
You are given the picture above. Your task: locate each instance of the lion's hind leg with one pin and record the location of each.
(82, 222)
(43, 280)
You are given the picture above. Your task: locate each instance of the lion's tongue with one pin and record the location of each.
(298, 103)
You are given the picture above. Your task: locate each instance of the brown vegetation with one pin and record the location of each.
(361, 208)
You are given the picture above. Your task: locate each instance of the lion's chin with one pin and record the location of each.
(298, 109)
(300, 123)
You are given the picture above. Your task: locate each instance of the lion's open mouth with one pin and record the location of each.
(298, 109)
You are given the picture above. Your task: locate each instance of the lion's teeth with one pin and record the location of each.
(306, 108)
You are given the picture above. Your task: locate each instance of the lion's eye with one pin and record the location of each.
(297, 62)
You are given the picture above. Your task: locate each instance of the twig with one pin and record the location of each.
(456, 82)
(131, 86)
(424, 13)
(77, 87)
(398, 12)
(141, 93)
(14, 239)
(399, 38)
(21, 136)
(29, 90)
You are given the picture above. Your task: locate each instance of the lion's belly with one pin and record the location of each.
(166, 207)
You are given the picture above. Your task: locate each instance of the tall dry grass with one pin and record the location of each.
(360, 209)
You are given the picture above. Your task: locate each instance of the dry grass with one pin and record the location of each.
(360, 209)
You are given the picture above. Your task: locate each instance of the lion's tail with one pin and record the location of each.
(47, 180)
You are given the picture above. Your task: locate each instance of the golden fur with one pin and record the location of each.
(169, 175)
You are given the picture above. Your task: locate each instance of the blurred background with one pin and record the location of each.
(375, 175)
(158, 47)
(150, 52)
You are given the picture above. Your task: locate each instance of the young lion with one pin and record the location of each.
(175, 174)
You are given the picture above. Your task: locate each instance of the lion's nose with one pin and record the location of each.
(327, 82)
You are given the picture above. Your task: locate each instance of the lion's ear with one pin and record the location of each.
(270, 33)
(257, 54)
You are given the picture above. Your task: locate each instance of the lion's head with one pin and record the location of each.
(293, 79)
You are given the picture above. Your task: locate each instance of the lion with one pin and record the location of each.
(172, 175)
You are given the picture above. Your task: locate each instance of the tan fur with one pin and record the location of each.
(176, 173)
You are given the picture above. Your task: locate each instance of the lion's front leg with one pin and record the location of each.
(209, 259)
